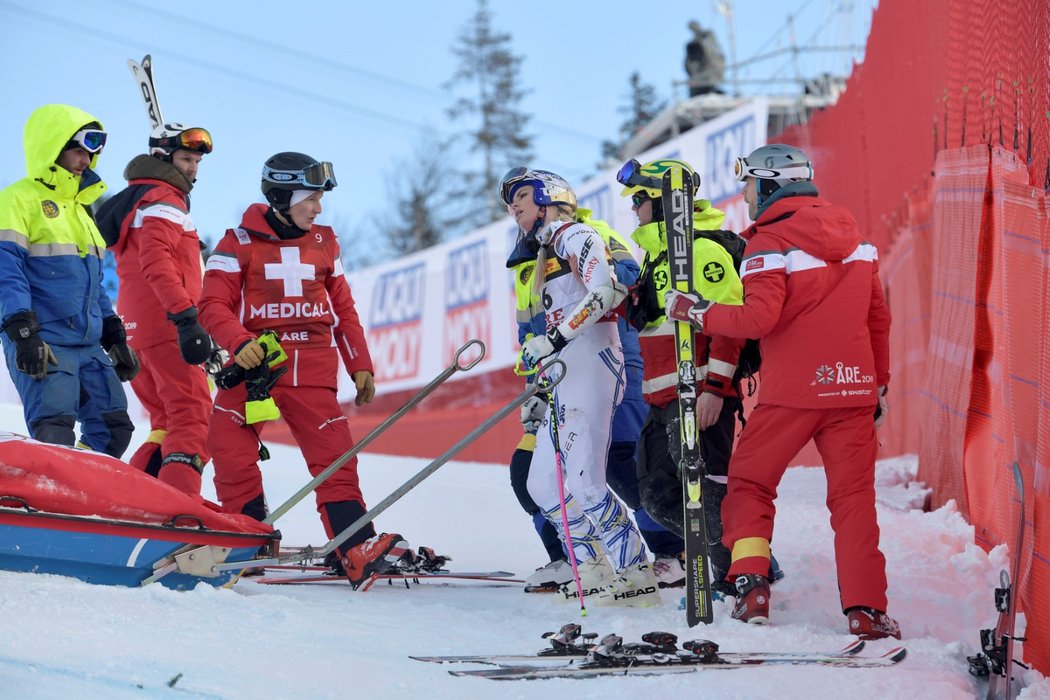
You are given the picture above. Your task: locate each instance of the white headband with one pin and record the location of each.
(300, 195)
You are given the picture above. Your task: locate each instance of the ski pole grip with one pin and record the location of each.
(470, 364)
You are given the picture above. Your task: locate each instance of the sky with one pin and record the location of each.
(255, 641)
(362, 84)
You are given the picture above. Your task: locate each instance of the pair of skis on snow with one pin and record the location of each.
(996, 660)
(576, 656)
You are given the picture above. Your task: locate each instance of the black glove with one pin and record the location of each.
(32, 354)
(115, 342)
(194, 343)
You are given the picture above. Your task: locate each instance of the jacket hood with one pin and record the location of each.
(144, 167)
(652, 237)
(824, 230)
(47, 131)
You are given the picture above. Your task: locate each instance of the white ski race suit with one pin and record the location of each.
(579, 294)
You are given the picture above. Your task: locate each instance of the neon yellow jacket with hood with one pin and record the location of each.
(50, 249)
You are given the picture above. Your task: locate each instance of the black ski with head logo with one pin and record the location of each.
(678, 214)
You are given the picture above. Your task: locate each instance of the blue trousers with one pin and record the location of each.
(82, 388)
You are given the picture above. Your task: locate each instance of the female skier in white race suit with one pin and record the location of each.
(579, 292)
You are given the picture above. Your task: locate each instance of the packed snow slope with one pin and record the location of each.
(64, 638)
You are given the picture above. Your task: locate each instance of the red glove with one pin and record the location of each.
(680, 306)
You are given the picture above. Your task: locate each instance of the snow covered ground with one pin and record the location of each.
(63, 638)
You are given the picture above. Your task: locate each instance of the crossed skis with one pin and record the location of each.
(657, 653)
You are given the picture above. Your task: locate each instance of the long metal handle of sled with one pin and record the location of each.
(167, 565)
(456, 366)
(440, 461)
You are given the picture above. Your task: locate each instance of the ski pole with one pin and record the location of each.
(379, 429)
(435, 465)
(553, 403)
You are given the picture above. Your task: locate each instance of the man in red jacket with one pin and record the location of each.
(280, 271)
(812, 295)
(149, 229)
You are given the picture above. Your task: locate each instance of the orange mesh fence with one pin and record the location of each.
(941, 148)
(1018, 239)
(906, 279)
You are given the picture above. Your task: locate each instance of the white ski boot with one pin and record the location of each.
(595, 574)
(635, 586)
(549, 578)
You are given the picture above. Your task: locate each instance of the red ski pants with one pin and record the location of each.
(177, 397)
(846, 440)
(318, 425)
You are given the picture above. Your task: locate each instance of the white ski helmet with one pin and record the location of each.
(168, 138)
(777, 163)
(548, 189)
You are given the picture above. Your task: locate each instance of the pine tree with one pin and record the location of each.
(643, 105)
(490, 69)
(421, 197)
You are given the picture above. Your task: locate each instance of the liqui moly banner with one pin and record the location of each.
(468, 311)
(420, 309)
(395, 321)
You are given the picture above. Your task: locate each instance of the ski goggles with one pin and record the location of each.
(511, 180)
(91, 140)
(639, 198)
(743, 170)
(195, 139)
(631, 175)
(319, 176)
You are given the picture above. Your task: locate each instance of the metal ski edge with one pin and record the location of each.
(575, 654)
(641, 667)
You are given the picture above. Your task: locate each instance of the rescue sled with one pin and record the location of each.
(87, 515)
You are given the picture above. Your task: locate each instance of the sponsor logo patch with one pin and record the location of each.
(49, 208)
(713, 272)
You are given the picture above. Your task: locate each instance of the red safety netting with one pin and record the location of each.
(941, 147)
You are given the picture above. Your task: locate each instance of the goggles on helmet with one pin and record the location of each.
(195, 139)
(800, 171)
(630, 175)
(513, 177)
(91, 140)
(319, 176)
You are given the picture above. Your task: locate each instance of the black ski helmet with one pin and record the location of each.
(289, 171)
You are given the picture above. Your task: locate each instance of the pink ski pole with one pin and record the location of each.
(553, 404)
